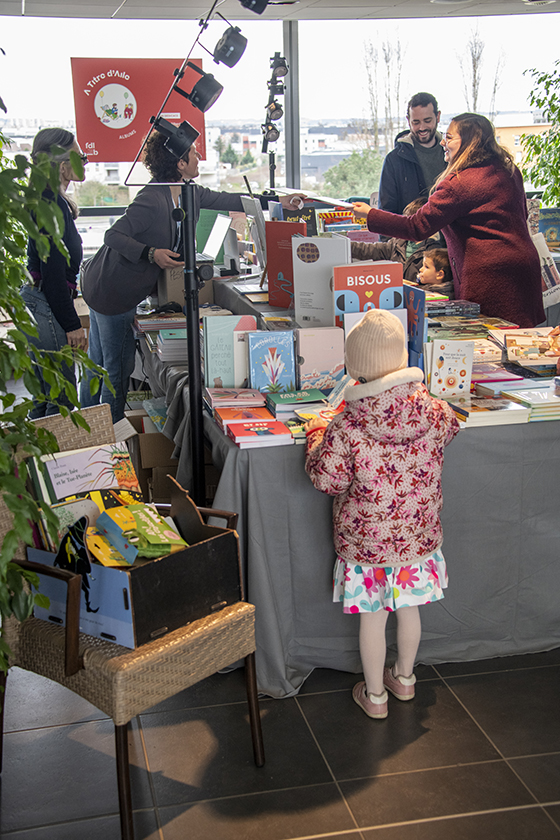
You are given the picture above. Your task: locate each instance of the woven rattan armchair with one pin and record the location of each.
(122, 682)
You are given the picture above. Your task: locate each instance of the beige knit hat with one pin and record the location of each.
(376, 346)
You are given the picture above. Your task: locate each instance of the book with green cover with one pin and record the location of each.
(289, 400)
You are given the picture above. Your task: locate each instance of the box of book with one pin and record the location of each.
(134, 604)
(366, 285)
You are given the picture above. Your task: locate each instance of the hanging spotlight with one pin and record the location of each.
(274, 111)
(271, 133)
(256, 6)
(204, 93)
(230, 47)
(278, 65)
(179, 138)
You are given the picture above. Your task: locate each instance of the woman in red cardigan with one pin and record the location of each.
(479, 204)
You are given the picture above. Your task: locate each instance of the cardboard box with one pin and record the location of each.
(171, 287)
(160, 485)
(134, 605)
(148, 451)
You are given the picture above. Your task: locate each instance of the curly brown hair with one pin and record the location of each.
(160, 162)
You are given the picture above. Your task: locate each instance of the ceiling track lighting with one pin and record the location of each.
(256, 6)
(180, 138)
(230, 47)
(204, 93)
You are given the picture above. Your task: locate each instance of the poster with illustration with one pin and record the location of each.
(114, 99)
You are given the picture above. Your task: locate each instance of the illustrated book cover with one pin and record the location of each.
(284, 405)
(533, 348)
(319, 356)
(260, 434)
(361, 286)
(233, 396)
(271, 361)
(314, 259)
(415, 303)
(489, 411)
(451, 368)
(280, 269)
(225, 350)
(225, 416)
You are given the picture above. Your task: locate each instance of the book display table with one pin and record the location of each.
(501, 521)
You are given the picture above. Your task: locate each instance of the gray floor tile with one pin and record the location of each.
(298, 812)
(517, 709)
(500, 663)
(64, 773)
(32, 702)
(102, 828)
(207, 753)
(430, 731)
(520, 824)
(434, 793)
(541, 774)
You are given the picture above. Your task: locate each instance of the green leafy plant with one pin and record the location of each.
(357, 174)
(26, 212)
(541, 165)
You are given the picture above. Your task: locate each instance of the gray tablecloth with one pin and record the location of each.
(501, 542)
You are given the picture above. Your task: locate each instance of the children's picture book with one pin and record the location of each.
(491, 372)
(225, 350)
(496, 388)
(550, 278)
(233, 397)
(324, 412)
(549, 226)
(451, 368)
(280, 269)
(297, 427)
(336, 396)
(257, 297)
(225, 416)
(314, 259)
(80, 471)
(361, 286)
(319, 356)
(306, 215)
(258, 434)
(415, 303)
(486, 351)
(533, 348)
(138, 530)
(271, 361)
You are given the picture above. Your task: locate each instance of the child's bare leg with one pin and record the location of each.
(409, 630)
(373, 648)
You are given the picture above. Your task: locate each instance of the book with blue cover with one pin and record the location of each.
(271, 361)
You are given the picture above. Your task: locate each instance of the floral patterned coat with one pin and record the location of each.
(382, 460)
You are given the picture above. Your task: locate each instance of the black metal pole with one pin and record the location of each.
(271, 168)
(193, 341)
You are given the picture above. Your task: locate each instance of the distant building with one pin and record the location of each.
(510, 137)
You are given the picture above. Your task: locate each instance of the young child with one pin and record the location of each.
(381, 459)
(400, 250)
(435, 272)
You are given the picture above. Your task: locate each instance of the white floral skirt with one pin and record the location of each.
(371, 588)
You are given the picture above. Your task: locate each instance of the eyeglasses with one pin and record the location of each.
(83, 158)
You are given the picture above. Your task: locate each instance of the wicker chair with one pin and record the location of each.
(119, 681)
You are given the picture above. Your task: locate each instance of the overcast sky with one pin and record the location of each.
(35, 78)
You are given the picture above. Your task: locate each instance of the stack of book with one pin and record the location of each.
(225, 416)
(542, 403)
(154, 323)
(488, 411)
(232, 397)
(256, 434)
(434, 308)
(283, 406)
(172, 345)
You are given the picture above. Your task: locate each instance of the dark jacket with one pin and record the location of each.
(55, 277)
(117, 278)
(395, 250)
(482, 212)
(402, 179)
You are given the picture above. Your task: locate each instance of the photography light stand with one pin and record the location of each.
(179, 139)
(273, 112)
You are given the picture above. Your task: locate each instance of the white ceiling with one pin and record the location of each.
(276, 10)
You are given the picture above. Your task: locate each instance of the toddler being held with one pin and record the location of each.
(382, 460)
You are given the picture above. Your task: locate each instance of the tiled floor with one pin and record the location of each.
(476, 754)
